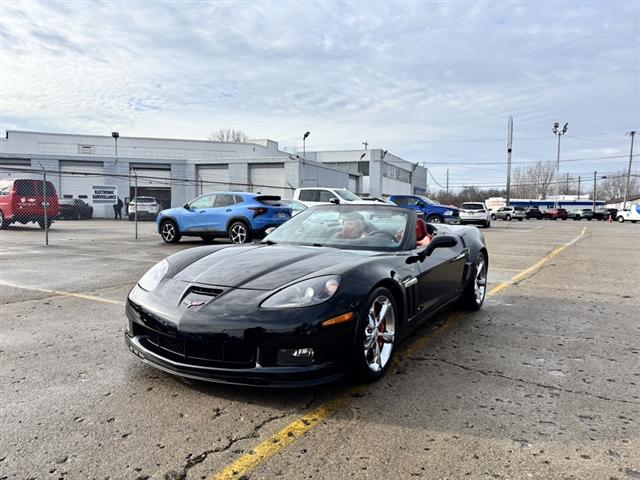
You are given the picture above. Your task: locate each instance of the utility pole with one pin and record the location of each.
(594, 190)
(426, 183)
(567, 186)
(447, 181)
(579, 187)
(632, 134)
(509, 144)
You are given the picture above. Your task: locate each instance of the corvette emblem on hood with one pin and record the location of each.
(193, 303)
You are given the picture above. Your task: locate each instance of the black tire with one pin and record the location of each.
(41, 224)
(577, 218)
(507, 218)
(487, 224)
(131, 218)
(239, 232)
(493, 217)
(520, 219)
(472, 299)
(366, 367)
(434, 219)
(620, 219)
(170, 232)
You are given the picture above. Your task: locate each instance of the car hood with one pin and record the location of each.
(267, 267)
(172, 212)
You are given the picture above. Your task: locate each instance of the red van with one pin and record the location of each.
(23, 201)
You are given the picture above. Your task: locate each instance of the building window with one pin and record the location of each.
(396, 173)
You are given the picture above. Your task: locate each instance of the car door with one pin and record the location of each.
(220, 211)
(195, 217)
(440, 275)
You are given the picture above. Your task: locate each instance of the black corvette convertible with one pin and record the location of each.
(331, 291)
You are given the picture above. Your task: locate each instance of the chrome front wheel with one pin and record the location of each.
(476, 290)
(378, 329)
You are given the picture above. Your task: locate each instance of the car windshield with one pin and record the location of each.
(428, 201)
(144, 200)
(350, 227)
(473, 206)
(347, 195)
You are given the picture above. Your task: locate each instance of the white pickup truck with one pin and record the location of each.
(311, 196)
(631, 213)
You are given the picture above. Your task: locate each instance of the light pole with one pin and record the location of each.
(558, 132)
(304, 144)
(632, 134)
(115, 136)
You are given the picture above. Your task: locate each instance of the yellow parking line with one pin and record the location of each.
(289, 434)
(61, 293)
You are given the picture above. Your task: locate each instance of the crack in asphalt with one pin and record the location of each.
(495, 373)
(193, 460)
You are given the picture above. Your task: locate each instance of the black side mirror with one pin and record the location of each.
(335, 201)
(439, 241)
(186, 206)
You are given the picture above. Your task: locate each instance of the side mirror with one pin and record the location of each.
(334, 201)
(439, 241)
(186, 206)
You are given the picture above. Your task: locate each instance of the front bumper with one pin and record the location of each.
(237, 349)
(450, 220)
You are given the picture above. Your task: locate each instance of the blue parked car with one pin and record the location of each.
(237, 215)
(431, 211)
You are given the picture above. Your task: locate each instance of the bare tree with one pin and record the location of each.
(612, 187)
(533, 182)
(229, 135)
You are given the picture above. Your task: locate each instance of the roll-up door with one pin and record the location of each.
(18, 168)
(77, 179)
(153, 181)
(212, 178)
(268, 179)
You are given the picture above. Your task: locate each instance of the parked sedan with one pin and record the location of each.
(509, 213)
(74, 209)
(605, 213)
(555, 214)
(331, 292)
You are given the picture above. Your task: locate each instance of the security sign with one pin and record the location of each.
(104, 194)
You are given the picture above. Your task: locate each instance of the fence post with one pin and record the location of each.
(45, 205)
(135, 195)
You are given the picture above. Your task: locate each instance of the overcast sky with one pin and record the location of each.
(432, 82)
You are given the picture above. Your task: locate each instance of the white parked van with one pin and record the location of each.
(631, 213)
(322, 195)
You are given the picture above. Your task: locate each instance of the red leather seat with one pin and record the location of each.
(421, 229)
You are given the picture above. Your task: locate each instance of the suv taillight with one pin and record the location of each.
(257, 211)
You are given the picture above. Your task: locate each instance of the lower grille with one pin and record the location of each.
(192, 350)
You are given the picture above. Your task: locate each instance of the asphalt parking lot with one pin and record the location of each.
(543, 382)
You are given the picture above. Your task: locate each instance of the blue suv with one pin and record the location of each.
(431, 211)
(237, 215)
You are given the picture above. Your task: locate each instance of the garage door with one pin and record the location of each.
(153, 181)
(17, 168)
(77, 178)
(353, 183)
(212, 178)
(268, 179)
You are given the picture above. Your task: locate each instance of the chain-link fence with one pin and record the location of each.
(85, 205)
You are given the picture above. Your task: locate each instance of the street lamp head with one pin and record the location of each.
(555, 127)
(631, 133)
(306, 134)
(564, 129)
(115, 134)
(384, 153)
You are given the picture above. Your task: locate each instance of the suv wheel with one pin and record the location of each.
(169, 231)
(434, 219)
(493, 216)
(620, 219)
(239, 232)
(508, 218)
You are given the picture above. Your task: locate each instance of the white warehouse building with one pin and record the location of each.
(176, 171)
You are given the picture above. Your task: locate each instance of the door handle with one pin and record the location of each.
(228, 210)
(203, 211)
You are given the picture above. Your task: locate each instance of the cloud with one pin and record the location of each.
(418, 78)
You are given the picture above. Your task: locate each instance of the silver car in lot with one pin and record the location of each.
(475, 213)
(509, 213)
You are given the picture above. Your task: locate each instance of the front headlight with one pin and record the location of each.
(305, 293)
(448, 212)
(154, 276)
